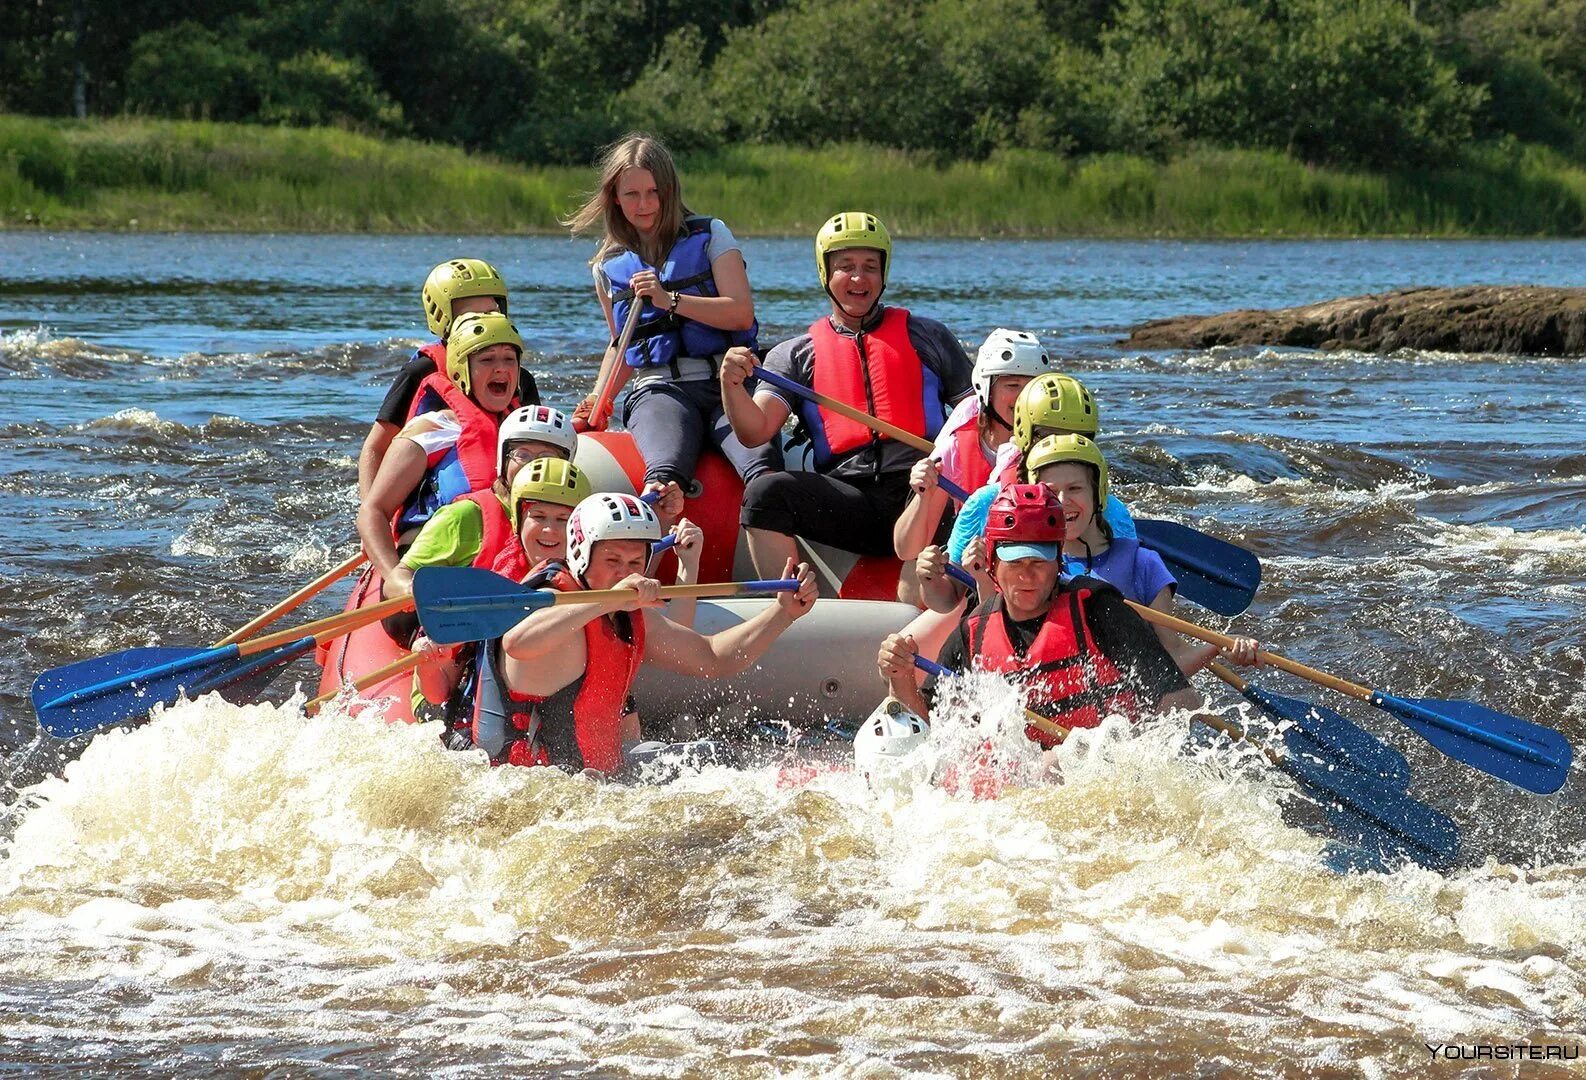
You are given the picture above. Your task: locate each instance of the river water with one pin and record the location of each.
(243, 889)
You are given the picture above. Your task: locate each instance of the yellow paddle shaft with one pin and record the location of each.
(609, 362)
(323, 630)
(396, 667)
(1283, 663)
(295, 601)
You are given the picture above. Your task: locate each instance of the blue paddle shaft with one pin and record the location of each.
(952, 489)
(173, 667)
(962, 576)
(931, 667)
(770, 585)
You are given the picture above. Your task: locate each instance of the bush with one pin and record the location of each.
(188, 70)
(317, 88)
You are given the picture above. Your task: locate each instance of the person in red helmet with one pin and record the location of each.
(1082, 652)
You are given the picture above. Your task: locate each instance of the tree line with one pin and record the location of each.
(1384, 84)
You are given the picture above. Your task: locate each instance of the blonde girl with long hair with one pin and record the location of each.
(689, 274)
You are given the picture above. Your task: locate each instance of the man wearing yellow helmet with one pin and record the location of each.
(897, 366)
(454, 288)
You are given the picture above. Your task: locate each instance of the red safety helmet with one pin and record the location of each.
(1024, 514)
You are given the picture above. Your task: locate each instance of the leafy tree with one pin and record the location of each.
(189, 70)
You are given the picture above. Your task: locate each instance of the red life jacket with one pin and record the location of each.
(436, 351)
(876, 371)
(1070, 680)
(476, 445)
(974, 470)
(579, 726)
(499, 549)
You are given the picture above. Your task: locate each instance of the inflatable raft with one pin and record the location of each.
(824, 666)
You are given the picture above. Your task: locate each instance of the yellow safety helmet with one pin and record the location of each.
(1053, 401)
(473, 332)
(551, 480)
(1055, 449)
(457, 279)
(853, 229)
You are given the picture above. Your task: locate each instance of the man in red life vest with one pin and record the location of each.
(455, 287)
(887, 362)
(1081, 651)
(552, 690)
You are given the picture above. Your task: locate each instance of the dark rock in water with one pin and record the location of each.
(1524, 320)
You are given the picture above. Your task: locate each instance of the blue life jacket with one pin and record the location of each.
(443, 482)
(662, 338)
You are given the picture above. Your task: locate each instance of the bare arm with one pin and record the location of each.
(917, 524)
(375, 445)
(732, 308)
(727, 652)
(896, 661)
(549, 629)
(755, 420)
(1191, 658)
(399, 475)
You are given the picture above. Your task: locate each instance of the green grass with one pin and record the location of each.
(149, 174)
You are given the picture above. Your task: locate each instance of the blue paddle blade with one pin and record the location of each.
(457, 604)
(141, 679)
(1388, 819)
(1348, 859)
(1527, 755)
(1213, 573)
(1322, 733)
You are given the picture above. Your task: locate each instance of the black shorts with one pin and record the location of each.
(854, 515)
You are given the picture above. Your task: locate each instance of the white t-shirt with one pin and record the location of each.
(435, 432)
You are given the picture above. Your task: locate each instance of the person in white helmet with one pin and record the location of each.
(967, 445)
(553, 689)
(474, 530)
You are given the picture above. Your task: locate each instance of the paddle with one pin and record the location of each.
(91, 694)
(296, 600)
(931, 667)
(605, 382)
(457, 604)
(1383, 820)
(1528, 755)
(1212, 572)
(406, 662)
(1313, 730)
(1324, 733)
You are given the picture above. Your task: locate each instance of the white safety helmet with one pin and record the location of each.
(607, 516)
(1007, 352)
(883, 746)
(535, 423)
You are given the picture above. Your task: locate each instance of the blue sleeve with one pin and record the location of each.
(971, 521)
(1117, 515)
(1151, 574)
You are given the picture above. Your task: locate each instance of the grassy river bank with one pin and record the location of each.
(176, 175)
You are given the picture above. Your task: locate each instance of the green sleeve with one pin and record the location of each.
(452, 537)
